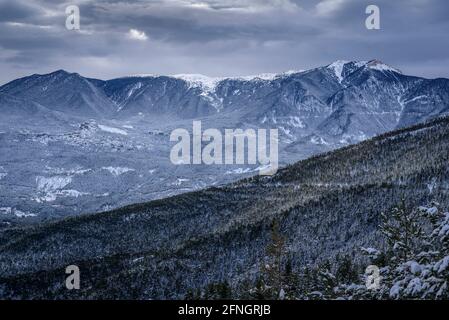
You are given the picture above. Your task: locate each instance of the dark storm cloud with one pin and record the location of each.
(16, 11)
(219, 37)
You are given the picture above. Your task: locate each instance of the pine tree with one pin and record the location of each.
(416, 258)
(271, 285)
(403, 231)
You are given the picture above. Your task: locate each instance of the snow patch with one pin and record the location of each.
(3, 173)
(296, 122)
(337, 67)
(416, 98)
(199, 81)
(50, 188)
(442, 265)
(318, 140)
(117, 171)
(16, 212)
(239, 171)
(180, 181)
(380, 66)
(112, 130)
(53, 183)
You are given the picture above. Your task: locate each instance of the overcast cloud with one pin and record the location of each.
(219, 37)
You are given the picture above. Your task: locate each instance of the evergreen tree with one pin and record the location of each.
(272, 282)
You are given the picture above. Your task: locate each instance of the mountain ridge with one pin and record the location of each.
(73, 144)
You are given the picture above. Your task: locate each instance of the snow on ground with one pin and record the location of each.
(3, 173)
(318, 140)
(180, 181)
(337, 67)
(208, 84)
(112, 130)
(199, 80)
(296, 122)
(117, 171)
(416, 98)
(247, 170)
(239, 171)
(50, 188)
(52, 183)
(378, 65)
(16, 212)
(262, 76)
(67, 172)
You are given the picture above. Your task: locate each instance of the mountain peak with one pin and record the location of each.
(338, 67)
(380, 66)
(60, 71)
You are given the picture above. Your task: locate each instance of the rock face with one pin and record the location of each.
(62, 127)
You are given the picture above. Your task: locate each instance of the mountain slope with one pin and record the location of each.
(325, 205)
(61, 91)
(71, 144)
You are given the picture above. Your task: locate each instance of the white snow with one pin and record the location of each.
(248, 170)
(210, 83)
(50, 188)
(112, 130)
(415, 286)
(3, 173)
(430, 211)
(6, 210)
(337, 67)
(442, 265)
(296, 122)
(290, 72)
(66, 172)
(378, 65)
(16, 212)
(143, 75)
(415, 267)
(52, 183)
(199, 80)
(72, 193)
(318, 140)
(117, 171)
(370, 251)
(180, 181)
(239, 171)
(135, 87)
(416, 98)
(262, 76)
(395, 290)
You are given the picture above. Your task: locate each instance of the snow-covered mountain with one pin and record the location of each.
(71, 144)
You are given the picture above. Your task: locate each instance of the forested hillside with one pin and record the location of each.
(220, 242)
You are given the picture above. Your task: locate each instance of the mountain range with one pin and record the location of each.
(72, 145)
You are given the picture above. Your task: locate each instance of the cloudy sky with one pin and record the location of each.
(219, 37)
